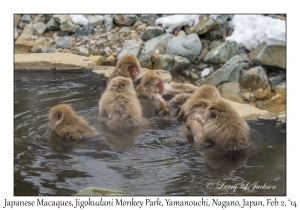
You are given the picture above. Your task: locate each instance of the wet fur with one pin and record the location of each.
(119, 107)
(67, 124)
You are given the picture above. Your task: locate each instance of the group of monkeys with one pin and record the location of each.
(209, 119)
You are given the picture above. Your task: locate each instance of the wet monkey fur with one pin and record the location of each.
(119, 107)
(127, 66)
(67, 124)
(152, 87)
(221, 126)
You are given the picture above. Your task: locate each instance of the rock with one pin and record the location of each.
(186, 46)
(229, 72)
(151, 32)
(95, 20)
(24, 21)
(157, 43)
(108, 22)
(269, 55)
(256, 79)
(125, 20)
(63, 43)
(52, 24)
(85, 30)
(201, 65)
(31, 41)
(278, 99)
(36, 49)
(17, 19)
(141, 27)
(108, 51)
(281, 117)
(37, 19)
(124, 30)
(52, 49)
(134, 35)
(180, 33)
(219, 31)
(53, 61)
(28, 29)
(110, 60)
(232, 92)
(61, 18)
(131, 47)
(206, 23)
(40, 27)
(248, 96)
(194, 77)
(164, 62)
(147, 17)
(44, 49)
(281, 88)
(96, 60)
(137, 24)
(69, 26)
(273, 81)
(222, 53)
(180, 63)
(48, 16)
(93, 191)
(66, 51)
(83, 51)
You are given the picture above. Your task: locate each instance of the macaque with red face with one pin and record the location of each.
(127, 66)
(152, 87)
(67, 124)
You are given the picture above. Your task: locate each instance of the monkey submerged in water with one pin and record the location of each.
(67, 124)
(151, 87)
(119, 107)
(222, 126)
(127, 66)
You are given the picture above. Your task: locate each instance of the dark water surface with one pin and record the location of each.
(158, 162)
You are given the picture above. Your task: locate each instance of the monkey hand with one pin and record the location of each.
(163, 109)
(179, 113)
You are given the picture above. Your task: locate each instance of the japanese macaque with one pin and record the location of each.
(67, 124)
(119, 108)
(151, 87)
(127, 66)
(221, 126)
(197, 102)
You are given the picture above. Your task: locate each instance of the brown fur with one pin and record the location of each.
(147, 88)
(174, 88)
(119, 107)
(67, 124)
(200, 99)
(122, 67)
(222, 126)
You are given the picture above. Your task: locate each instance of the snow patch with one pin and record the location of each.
(169, 23)
(79, 19)
(250, 31)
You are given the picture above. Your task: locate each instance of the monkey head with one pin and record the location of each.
(59, 114)
(152, 82)
(129, 66)
(207, 92)
(121, 84)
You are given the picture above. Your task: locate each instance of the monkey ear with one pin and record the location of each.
(58, 115)
(213, 113)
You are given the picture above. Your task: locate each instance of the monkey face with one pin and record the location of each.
(160, 86)
(133, 71)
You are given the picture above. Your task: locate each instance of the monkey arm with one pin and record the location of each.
(180, 99)
(177, 88)
(196, 130)
(163, 107)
